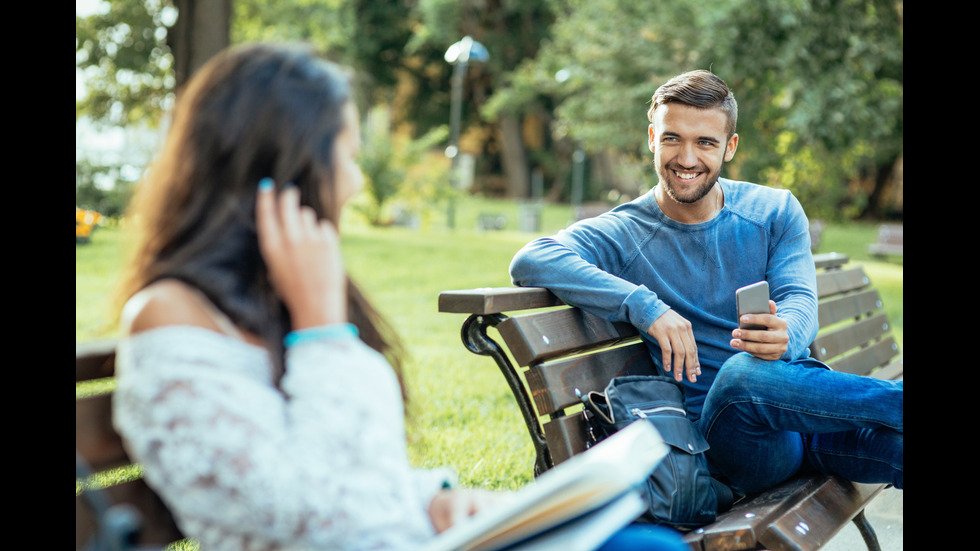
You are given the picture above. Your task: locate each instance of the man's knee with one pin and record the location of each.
(742, 371)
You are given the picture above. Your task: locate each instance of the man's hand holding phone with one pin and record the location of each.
(761, 334)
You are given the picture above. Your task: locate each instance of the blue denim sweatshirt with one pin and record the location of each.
(634, 263)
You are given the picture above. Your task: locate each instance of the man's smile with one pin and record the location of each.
(686, 175)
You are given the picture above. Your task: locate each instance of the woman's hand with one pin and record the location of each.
(303, 256)
(450, 507)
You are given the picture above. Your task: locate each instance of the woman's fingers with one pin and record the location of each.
(266, 217)
(302, 254)
(289, 212)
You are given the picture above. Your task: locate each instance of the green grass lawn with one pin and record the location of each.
(461, 411)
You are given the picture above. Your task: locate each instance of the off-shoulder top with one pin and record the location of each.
(318, 461)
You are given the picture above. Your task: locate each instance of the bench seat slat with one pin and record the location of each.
(740, 527)
(801, 514)
(811, 522)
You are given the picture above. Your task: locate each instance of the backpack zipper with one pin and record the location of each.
(642, 413)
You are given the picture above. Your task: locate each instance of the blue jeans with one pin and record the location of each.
(769, 420)
(646, 537)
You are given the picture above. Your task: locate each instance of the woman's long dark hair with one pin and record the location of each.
(251, 112)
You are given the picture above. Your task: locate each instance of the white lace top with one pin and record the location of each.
(320, 463)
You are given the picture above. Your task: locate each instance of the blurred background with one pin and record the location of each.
(489, 122)
(533, 101)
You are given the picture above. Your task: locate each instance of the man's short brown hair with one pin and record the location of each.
(700, 89)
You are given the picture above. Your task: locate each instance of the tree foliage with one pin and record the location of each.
(823, 95)
(819, 82)
(123, 55)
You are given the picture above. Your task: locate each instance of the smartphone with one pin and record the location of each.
(752, 299)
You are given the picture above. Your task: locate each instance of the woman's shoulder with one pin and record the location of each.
(174, 303)
(164, 303)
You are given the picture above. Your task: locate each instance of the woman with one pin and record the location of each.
(256, 385)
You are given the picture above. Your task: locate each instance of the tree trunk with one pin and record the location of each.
(878, 205)
(513, 157)
(202, 29)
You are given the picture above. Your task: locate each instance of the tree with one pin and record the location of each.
(125, 61)
(819, 84)
(824, 105)
(511, 30)
(137, 52)
(200, 31)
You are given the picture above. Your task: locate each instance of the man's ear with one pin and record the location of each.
(650, 142)
(730, 147)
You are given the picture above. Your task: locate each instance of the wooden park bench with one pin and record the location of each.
(546, 351)
(889, 241)
(114, 508)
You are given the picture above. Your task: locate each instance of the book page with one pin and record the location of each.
(581, 484)
(588, 532)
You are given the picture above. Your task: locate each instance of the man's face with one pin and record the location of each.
(689, 146)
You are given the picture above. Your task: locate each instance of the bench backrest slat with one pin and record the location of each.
(95, 360)
(96, 440)
(566, 436)
(866, 359)
(849, 306)
(837, 341)
(890, 234)
(893, 371)
(833, 282)
(540, 336)
(553, 384)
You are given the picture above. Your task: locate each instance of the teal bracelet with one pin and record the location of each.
(321, 333)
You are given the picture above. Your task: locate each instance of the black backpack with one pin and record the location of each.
(680, 491)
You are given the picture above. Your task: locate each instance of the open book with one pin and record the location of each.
(580, 502)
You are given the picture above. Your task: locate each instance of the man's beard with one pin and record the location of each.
(667, 173)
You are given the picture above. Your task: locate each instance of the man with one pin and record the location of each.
(670, 261)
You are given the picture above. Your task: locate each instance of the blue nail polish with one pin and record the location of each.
(265, 184)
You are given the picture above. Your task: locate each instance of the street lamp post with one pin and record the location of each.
(459, 55)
